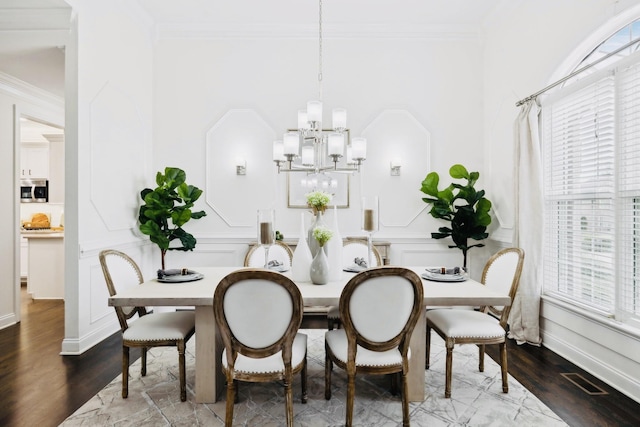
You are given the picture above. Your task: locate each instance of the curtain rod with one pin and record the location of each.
(586, 67)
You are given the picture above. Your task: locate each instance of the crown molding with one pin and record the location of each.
(28, 92)
(330, 31)
(35, 19)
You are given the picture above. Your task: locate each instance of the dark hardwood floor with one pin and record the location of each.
(38, 387)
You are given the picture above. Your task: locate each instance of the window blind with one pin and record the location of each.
(628, 106)
(591, 160)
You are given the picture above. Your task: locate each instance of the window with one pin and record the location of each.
(591, 150)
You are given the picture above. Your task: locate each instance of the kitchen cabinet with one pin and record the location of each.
(46, 265)
(24, 258)
(34, 162)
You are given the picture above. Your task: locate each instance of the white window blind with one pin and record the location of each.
(591, 149)
(628, 137)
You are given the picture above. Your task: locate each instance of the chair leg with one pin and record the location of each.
(303, 380)
(328, 366)
(481, 357)
(144, 361)
(448, 368)
(394, 384)
(231, 397)
(503, 365)
(183, 374)
(428, 345)
(125, 371)
(288, 399)
(405, 400)
(351, 394)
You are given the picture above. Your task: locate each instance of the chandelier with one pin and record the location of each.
(314, 150)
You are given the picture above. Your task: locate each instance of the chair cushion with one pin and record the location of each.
(161, 326)
(465, 323)
(337, 342)
(272, 363)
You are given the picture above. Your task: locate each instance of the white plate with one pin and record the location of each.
(178, 278)
(354, 269)
(437, 277)
(280, 268)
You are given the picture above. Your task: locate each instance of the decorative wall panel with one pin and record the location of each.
(117, 158)
(396, 134)
(236, 198)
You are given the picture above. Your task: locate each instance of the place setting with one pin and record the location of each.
(443, 274)
(178, 275)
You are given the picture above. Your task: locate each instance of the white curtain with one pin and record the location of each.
(529, 222)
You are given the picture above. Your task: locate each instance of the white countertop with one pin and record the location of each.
(42, 234)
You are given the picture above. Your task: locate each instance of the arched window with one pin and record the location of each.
(591, 160)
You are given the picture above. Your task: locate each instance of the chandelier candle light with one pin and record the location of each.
(266, 233)
(319, 147)
(369, 222)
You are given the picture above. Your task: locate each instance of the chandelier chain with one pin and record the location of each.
(320, 51)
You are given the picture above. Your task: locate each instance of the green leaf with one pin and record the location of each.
(458, 171)
(197, 215)
(430, 184)
(173, 177)
(179, 217)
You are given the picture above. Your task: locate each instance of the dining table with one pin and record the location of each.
(209, 380)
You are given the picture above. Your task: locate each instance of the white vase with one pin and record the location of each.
(318, 221)
(334, 249)
(302, 258)
(319, 270)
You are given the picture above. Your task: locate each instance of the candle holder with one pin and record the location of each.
(266, 231)
(369, 223)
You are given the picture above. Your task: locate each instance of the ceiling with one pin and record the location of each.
(33, 32)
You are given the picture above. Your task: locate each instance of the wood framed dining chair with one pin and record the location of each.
(258, 313)
(279, 251)
(486, 326)
(350, 251)
(379, 308)
(149, 329)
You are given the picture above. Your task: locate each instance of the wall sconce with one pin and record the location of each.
(241, 166)
(396, 164)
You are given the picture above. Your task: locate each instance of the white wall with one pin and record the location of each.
(527, 48)
(108, 150)
(210, 92)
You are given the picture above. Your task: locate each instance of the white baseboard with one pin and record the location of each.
(76, 346)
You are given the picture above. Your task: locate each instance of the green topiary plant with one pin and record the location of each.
(167, 208)
(466, 209)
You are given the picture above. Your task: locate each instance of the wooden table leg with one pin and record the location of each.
(209, 378)
(416, 363)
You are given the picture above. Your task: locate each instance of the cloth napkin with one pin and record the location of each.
(174, 272)
(444, 270)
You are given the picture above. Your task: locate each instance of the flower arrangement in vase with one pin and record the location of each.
(319, 270)
(318, 202)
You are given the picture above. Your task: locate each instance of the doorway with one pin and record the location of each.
(40, 148)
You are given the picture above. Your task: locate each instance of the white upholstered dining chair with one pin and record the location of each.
(258, 313)
(350, 251)
(486, 326)
(279, 251)
(379, 308)
(149, 329)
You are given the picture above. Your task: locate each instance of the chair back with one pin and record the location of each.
(279, 251)
(355, 249)
(502, 273)
(380, 307)
(258, 313)
(120, 272)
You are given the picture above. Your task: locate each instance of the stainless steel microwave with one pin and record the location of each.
(34, 190)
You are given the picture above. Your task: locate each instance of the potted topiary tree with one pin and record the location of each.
(167, 208)
(465, 208)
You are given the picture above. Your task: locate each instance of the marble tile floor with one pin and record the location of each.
(477, 398)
